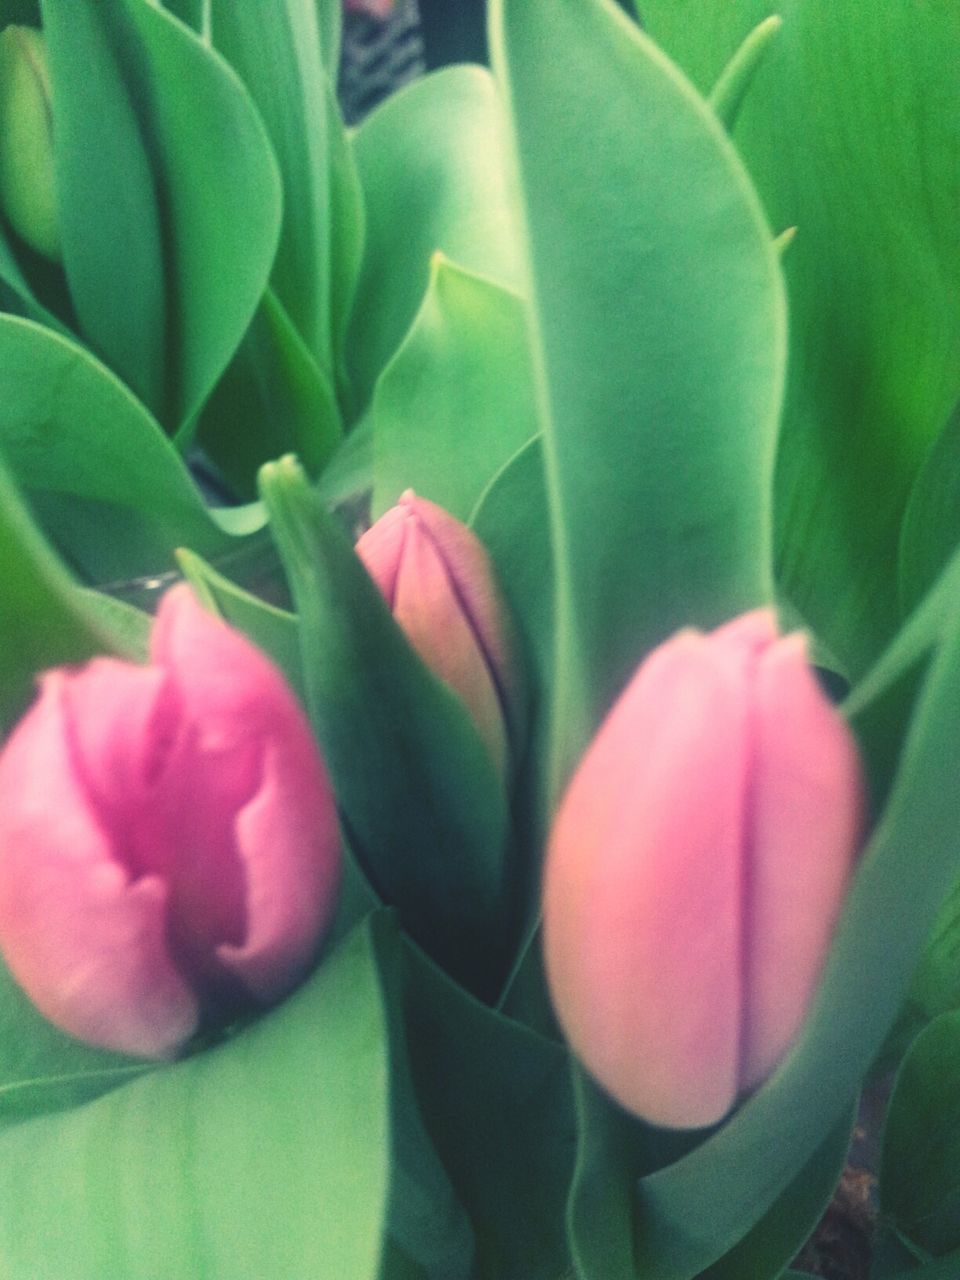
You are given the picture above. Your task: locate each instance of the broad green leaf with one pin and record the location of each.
(277, 49)
(348, 478)
(945, 1268)
(43, 1069)
(330, 18)
(850, 133)
(931, 523)
(430, 1236)
(433, 172)
(781, 1232)
(660, 324)
(420, 797)
(266, 1156)
(109, 205)
(45, 619)
(71, 430)
(456, 401)
(863, 986)
(505, 1131)
(20, 295)
(130, 625)
(168, 233)
(512, 520)
(273, 399)
(920, 1164)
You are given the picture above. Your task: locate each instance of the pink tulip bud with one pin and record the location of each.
(169, 847)
(697, 868)
(437, 579)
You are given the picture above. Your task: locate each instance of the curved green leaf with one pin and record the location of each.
(266, 1156)
(45, 619)
(420, 796)
(931, 522)
(456, 401)
(168, 234)
(505, 1133)
(432, 168)
(272, 399)
(920, 1163)
(69, 428)
(277, 49)
(850, 134)
(660, 325)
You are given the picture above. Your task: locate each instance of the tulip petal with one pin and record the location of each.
(84, 940)
(226, 684)
(469, 568)
(432, 615)
(643, 889)
(805, 800)
(288, 844)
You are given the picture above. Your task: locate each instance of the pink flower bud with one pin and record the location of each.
(697, 868)
(168, 839)
(437, 579)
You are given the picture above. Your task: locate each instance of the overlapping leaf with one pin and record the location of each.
(850, 133)
(660, 324)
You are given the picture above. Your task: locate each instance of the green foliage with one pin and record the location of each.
(658, 481)
(850, 134)
(264, 1156)
(920, 1169)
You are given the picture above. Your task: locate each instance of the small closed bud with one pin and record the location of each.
(28, 188)
(697, 868)
(169, 850)
(438, 581)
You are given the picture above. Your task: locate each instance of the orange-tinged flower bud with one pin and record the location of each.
(696, 870)
(437, 579)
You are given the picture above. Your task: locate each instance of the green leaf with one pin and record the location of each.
(45, 620)
(850, 1017)
(19, 295)
(850, 134)
(168, 233)
(108, 201)
(659, 399)
(277, 49)
(780, 1233)
(728, 94)
(70, 429)
(430, 1235)
(456, 401)
(505, 1131)
(420, 798)
(273, 399)
(433, 172)
(931, 522)
(920, 1163)
(266, 1156)
(512, 520)
(42, 1069)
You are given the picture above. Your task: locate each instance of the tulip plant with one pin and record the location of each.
(530, 890)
